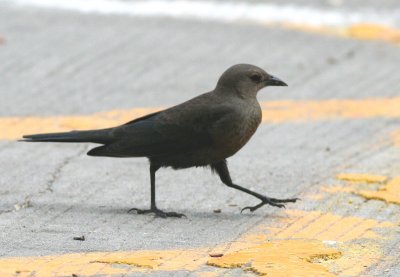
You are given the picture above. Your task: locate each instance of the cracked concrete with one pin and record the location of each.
(58, 170)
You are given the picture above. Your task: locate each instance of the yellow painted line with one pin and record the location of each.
(338, 230)
(313, 110)
(281, 258)
(268, 250)
(103, 263)
(388, 190)
(389, 193)
(273, 112)
(361, 31)
(297, 226)
(14, 127)
(361, 178)
(373, 32)
(266, 258)
(325, 226)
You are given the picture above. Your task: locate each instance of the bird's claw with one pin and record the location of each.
(272, 202)
(157, 213)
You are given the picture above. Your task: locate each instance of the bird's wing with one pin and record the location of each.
(173, 131)
(142, 118)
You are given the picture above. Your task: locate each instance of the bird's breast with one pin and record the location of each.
(239, 131)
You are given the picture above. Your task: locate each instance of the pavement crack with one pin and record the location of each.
(6, 211)
(18, 206)
(57, 172)
(54, 177)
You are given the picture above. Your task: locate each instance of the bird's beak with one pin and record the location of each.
(273, 81)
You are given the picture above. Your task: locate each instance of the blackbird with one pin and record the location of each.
(203, 131)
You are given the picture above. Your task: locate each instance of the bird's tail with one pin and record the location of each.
(96, 136)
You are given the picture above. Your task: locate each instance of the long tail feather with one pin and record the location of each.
(95, 136)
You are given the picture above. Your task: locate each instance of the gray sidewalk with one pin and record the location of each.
(66, 63)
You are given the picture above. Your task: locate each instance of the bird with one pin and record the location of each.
(201, 132)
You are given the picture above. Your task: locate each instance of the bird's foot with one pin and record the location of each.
(272, 202)
(157, 213)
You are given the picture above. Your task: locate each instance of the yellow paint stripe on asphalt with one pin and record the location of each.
(14, 127)
(262, 251)
(339, 232)
(281, 258)
(313, 110)
(273, 112)
(361, 178)
(373, 32)
(388, 190)
(325, 226)
(361, 31)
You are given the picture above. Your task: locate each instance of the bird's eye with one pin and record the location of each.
(256, 78)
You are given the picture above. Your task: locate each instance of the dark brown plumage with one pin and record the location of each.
(203, 131)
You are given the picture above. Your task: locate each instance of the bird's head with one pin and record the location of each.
(246, 80)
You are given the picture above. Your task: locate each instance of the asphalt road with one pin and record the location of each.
(66, 63)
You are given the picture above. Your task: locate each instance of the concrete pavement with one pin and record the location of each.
(57, 63)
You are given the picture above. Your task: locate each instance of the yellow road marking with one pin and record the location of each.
(313, 110)
(266, 250)
(272, 258)
(14, 127)
(361, 31)
(373, 32)
(389, 193)
(388, 190)
(361, 178)
(326, 227)
(273, 112)
(341, 231)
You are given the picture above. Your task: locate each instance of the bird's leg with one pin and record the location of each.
(153, 208)
(153, 171)
(222, 170)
